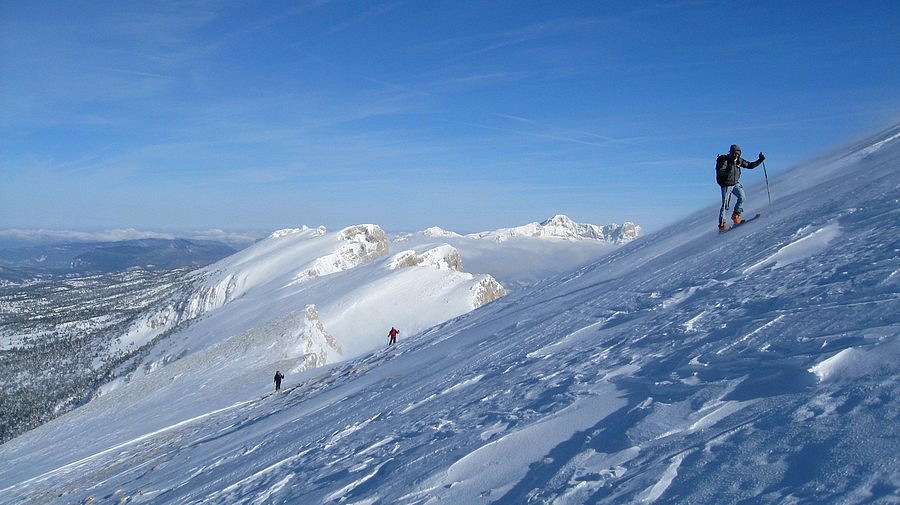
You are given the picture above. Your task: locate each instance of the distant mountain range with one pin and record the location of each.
(557, 227)
(104, 257)
(92, 257)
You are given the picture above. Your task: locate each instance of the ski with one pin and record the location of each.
(743, 221)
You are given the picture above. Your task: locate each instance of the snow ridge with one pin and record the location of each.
(363, 244)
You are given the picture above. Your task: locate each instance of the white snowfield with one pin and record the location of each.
(759, 366)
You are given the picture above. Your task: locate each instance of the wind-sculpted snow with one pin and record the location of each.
(807, 245)
(760, 366)
(853, 363)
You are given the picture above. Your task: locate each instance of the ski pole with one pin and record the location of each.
(727, 202)
(767, 183)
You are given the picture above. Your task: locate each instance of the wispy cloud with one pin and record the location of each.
(486, 42)
(371, 12)
(476, 80)
(568, 132)
(535, 129)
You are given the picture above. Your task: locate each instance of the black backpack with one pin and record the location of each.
(724, 171)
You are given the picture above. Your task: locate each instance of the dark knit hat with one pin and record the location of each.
(735, 148)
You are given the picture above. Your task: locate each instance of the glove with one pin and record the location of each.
(762, 157)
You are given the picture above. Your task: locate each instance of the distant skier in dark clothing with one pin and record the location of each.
(278, 377)
(393, 335)
(728, 175)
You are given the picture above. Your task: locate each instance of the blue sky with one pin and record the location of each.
(469, 115)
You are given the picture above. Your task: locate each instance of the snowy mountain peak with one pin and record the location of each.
(362, 244)
(560, 220)
(442, 257)
(436, 231)
(563, 227)
(319, 231)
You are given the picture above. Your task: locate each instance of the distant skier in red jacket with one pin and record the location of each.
(393, 335)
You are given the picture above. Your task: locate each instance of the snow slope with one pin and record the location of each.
(300, 299)
(760, 366)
